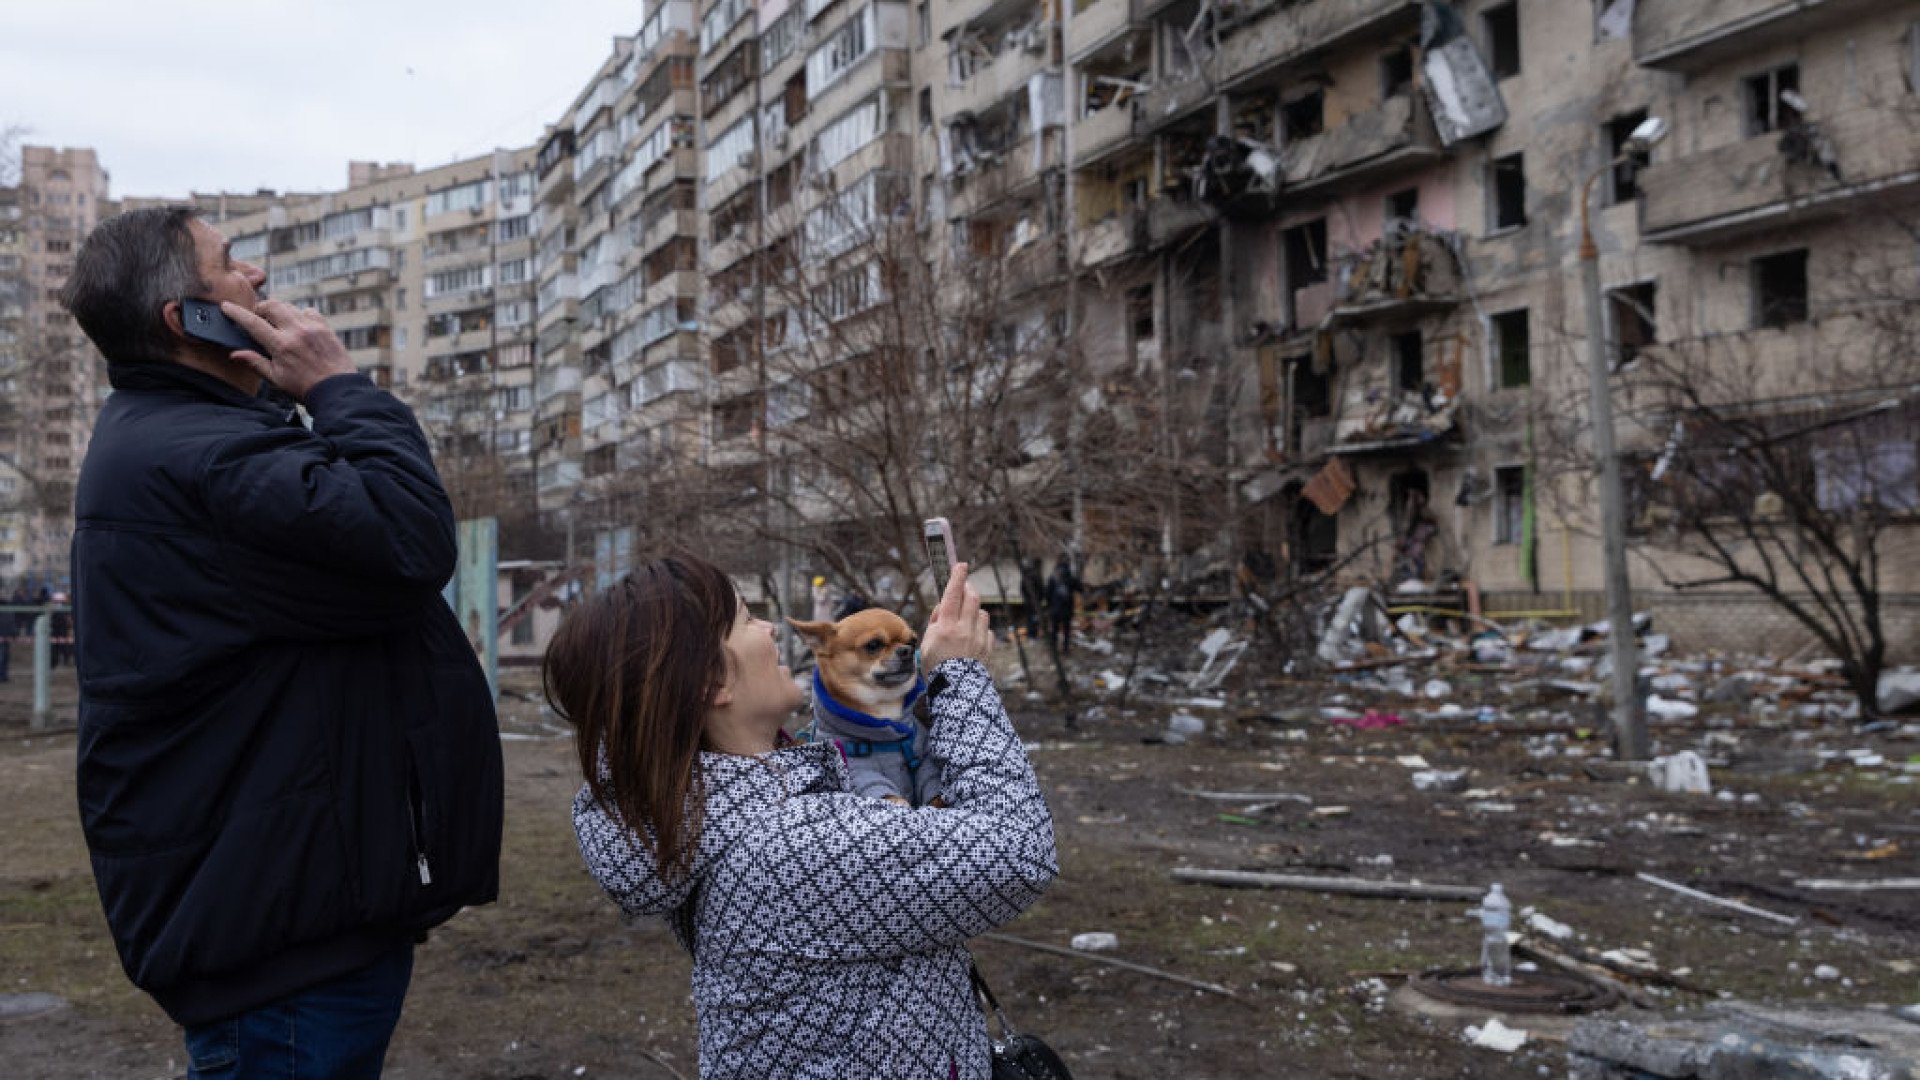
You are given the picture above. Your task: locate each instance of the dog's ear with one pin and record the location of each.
(815, 634)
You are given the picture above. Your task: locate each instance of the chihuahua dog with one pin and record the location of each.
(866, 678)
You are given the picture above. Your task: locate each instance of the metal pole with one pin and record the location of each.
(1629, 725)
(42, 670)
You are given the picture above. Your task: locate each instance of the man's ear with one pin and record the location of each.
(815, 634)
(175, 321)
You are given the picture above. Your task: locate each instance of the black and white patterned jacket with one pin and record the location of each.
(828, 930)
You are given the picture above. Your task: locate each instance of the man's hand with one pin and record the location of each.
(957, 629)
(302, 349)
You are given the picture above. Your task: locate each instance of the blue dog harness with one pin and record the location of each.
(869, 747)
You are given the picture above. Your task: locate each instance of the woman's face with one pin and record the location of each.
(761, 687)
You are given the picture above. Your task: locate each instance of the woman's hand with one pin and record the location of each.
(957, 629)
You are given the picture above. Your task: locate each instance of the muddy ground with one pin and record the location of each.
(548, 983)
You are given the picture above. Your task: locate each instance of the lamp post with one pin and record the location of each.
(1629, 723)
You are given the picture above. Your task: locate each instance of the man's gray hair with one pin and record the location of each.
(130, 267)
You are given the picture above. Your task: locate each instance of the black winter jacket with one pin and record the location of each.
(288, 757)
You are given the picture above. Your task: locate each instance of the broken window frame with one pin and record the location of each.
(1763, 110)
(1771, 313)
(1632, 323)
(1510, 168)
(1510, 358)
(1303, 115)
(1509, 505)
(1396, 72)
(1397, 202)
(1409, 361)
(1623, 179)
(1304, 247)
(1501, 25)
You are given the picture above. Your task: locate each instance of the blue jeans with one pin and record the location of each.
(337, 1030)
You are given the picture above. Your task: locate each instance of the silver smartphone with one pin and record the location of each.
(936, 535)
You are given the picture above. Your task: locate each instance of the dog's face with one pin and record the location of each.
(866, 660)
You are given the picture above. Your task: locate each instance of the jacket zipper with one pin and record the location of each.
(416, 824)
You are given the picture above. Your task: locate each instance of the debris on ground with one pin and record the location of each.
(1737, 1039)
(1494, 1035)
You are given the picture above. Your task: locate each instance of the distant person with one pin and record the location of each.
(851, 604)
(9, 625)
(289, 767)
(1063, 589)
(1033, 596)
(822, 601)
(60, 630)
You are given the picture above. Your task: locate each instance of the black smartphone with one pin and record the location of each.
(204, 320)
(937, 537)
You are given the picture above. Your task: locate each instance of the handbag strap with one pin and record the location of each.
(991, 1004)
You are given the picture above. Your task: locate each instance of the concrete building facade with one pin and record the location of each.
(1345, 232)
(51, 380)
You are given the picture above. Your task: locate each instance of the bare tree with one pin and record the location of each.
(1781, 460)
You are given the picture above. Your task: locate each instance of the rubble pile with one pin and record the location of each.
(1737, 1040)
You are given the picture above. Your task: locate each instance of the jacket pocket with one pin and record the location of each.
(454, 796)
(269, 878)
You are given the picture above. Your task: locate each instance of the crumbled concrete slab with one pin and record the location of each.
(1739, 1041)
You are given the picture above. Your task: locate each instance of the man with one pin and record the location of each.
(1063, 586)
(8, 623)
(289, 766)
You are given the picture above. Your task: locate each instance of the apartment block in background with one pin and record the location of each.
(53, 379)
(427, 279)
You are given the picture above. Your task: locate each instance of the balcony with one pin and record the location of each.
(680, 163)
(1369, 147)
(1014, 175)
(1100, 23)
(1111, 239)
(557, 478)
(1401, 276)
(1008, 74)
(674, 223)
(1168, 103)
(954, 13)
(1777, 179)
(1035, 266)
(1290, 34)
(1170, 220)
(684, 284)
(1691, 35)
(1098, 134)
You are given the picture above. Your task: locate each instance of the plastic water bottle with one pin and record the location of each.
(1496, 958)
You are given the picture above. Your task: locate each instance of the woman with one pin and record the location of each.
(827, 930)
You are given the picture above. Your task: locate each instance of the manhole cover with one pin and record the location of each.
(1530, 992)
(16, 1006)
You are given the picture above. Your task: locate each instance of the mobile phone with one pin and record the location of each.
(204, 320)
(937, 536)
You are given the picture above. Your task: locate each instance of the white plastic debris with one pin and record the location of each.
(1826, 972)
(1494, 1035)
(1412, 761)
(1098, 941)
(1671, 710)
(1899, 690)
(1555, 640)
(1684, 773)
(1439, 779)
(1437, 688)
(1549, 926)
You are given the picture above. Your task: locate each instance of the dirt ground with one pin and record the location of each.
(549, 983)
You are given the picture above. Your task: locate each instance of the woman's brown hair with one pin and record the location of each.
(634, 670)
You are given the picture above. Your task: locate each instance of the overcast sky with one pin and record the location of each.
(190, 95)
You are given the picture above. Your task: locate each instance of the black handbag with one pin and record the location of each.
(1017, 1056)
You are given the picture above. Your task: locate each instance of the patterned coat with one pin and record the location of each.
(828, 931)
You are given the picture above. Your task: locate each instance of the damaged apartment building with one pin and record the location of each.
(1339, 240)
(1363, 218)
